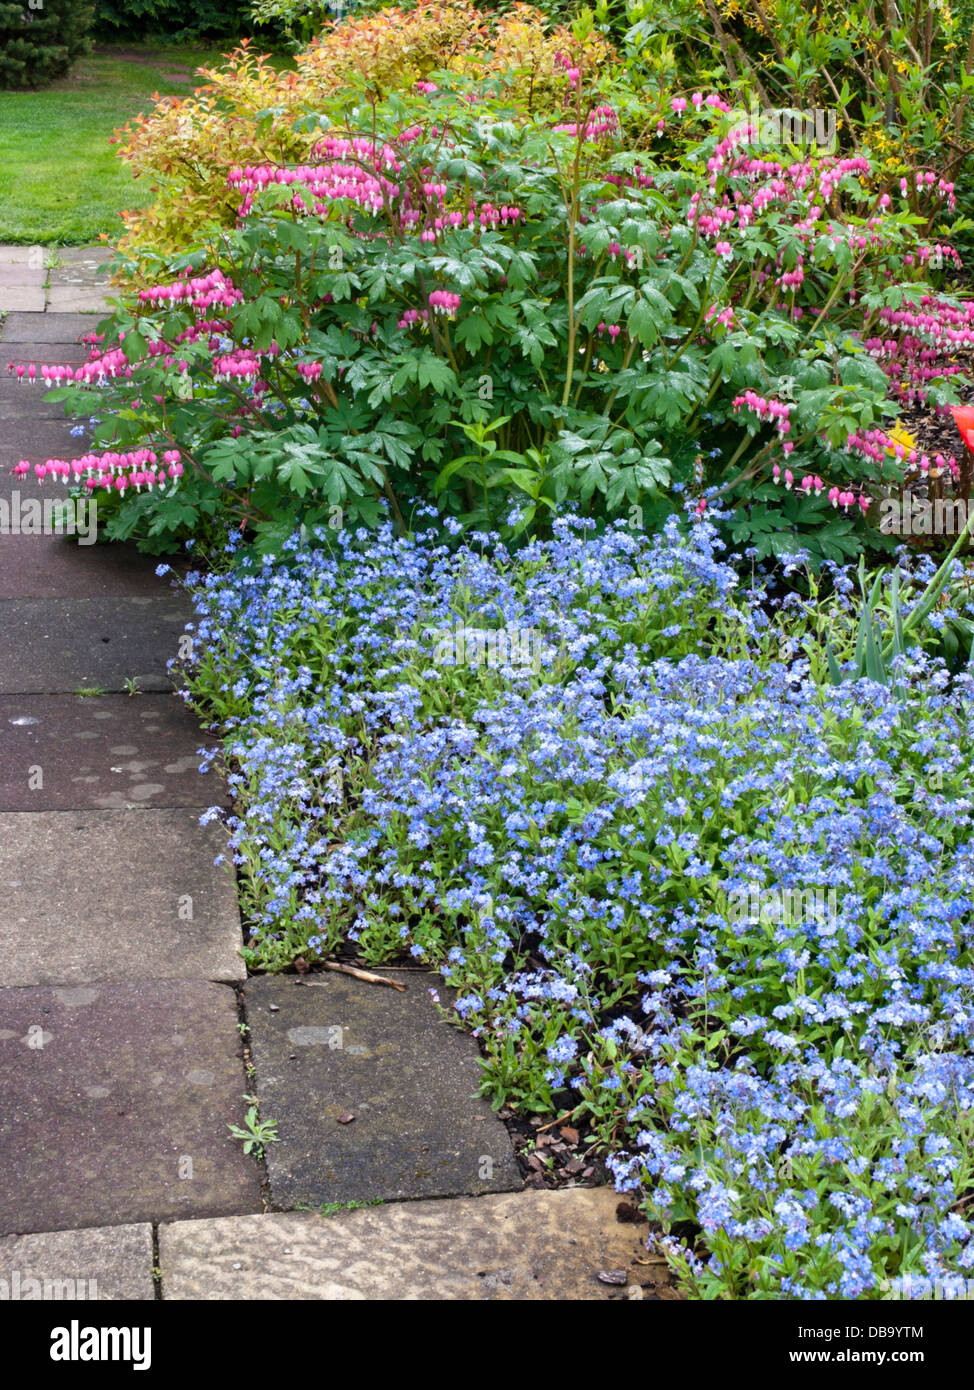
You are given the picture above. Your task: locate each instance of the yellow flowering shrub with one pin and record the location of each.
(247, 110)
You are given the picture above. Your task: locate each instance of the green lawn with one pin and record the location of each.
(61, 182)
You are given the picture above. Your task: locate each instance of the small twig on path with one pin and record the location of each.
(410, 969)
(365, 975)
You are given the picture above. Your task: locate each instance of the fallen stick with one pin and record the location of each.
(560, 1121)
(365, 975)
(416, 969)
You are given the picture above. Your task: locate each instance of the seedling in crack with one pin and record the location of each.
(255, 1132)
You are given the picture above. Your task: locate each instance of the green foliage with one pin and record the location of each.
(255, 1133)
(870, 655)
(592, 345)
(250, 111)
(578, 848)
(40, 39)
(180, 21)
(881, 613)
(901, 78)
(299, 21)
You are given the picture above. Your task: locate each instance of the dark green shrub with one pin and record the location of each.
(39, 41)
(175, 20)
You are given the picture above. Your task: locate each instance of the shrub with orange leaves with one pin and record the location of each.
(249, 112)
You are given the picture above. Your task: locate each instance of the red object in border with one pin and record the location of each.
(964, 420)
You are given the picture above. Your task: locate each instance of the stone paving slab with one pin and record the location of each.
(52, 566)
(21, 402)
(407, 1076)
(73, 283)
(528, 1246)
(21, 273)
(12, 489)
(23, 299)
(67, 644)
(57, 353)
(53, 328)
(22, 405)
(103, 1262)
(35, 441)
(36, 437)
(80, 265)
(114, 752)
(71, 299)
(114, 1105)
(26, 433)
(30, 426)
(89, 896)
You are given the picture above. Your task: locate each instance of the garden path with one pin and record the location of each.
(126, 1018)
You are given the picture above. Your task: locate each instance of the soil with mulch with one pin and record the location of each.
(935, 431)
(552, 1155)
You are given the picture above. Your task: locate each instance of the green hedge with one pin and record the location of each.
(40, 41)
(175, 20)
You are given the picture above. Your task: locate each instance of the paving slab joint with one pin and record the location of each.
(250, 1083)
(156, 1266)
